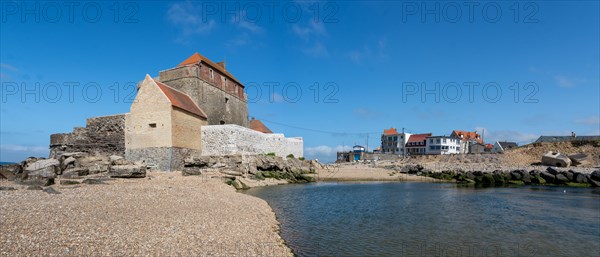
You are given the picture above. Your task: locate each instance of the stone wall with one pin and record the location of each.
(221, 104)
(103, 135)
(161, 158)
(233, 139)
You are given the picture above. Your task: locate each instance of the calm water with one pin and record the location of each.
(427, 219)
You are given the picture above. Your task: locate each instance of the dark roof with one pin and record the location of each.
(507, 145)
(547, 139)
(197, 58)
(259, 126)
(180, 100)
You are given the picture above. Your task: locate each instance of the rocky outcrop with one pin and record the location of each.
(550, 176)
(257, 167)
(40, 172)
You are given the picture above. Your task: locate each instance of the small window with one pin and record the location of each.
(212, 74)
(222, 122)
(226, 99)
(152, 125)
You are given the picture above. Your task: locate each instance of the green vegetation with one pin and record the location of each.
(290, 156)
(301, 158)
(270, 154)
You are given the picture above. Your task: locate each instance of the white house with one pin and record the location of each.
(393, 142)
(443, 145)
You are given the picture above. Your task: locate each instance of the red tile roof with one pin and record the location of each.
(259, 126)
(418, 137)
(467, 135)
(391, 131)
(196, 58)
(489, 146)
(180, 100)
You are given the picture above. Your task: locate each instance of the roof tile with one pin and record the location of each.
(181, 100)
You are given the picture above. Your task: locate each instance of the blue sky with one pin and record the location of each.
(334, 73)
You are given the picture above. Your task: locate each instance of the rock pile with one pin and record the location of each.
(41, 172)
(550, 176)
(256, 167)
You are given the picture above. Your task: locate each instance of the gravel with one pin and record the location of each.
(167, 215)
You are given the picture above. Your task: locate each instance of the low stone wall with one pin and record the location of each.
(161, 158)
(103, 135)
(219, 140)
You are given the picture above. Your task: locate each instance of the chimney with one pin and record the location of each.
(222, 64)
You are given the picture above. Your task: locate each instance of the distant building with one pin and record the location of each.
(573, 137)
(393, 142)
(443, 145)
(467, 138)
(476, 148)
(417, 144)
(500, 147)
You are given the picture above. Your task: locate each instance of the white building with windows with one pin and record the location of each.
(443, 145)
(393, 142)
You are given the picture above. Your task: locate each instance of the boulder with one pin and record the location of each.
(580, 178)
(92, 181)
(569, 174)
(75, 172)
(547, 176)
(560, 179)
(68, 162)
(41, 172)
(556, 159)
(516, 175)
(51, 191)
(595, 175)
(10, 171)
(552, 170)
(127, 171)
(5, 188)
(579, 159)
(593, 182)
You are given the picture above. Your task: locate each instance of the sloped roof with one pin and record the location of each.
(507, 145)
(259, 126)
(417, 137)
(180, 100)
(196, 58)
(565, 138)
(390, 131)
(467, 135)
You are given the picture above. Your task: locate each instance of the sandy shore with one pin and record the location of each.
(364, 172)
(166, 215)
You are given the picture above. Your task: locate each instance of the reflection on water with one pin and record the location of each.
(428, 219)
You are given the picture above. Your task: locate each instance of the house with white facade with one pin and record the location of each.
(393, 142)
(417, 144)
(443, 145)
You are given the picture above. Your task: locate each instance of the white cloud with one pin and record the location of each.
(563, 81)
(317, 50)
(5, 66)
(592, 120)
(314, 28)
(243, 23)
(325, 153)
(188, 18)
(506, 135)
(366, 113)
(277, 98)
(23, 148)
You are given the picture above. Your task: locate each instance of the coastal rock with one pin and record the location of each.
(92, 181)
(75, 172)
(595, 175)
(580, 178)
(552, 170)
(593, 182)
(560, 179)
(547, 176)
(51, 191)
(5, 188)
(556, 159)
(10, 171)
(42, 164)
(68, 162)
(516, 175)
(127, 171)
(570, 175)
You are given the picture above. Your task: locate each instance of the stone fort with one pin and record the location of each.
(196, 108)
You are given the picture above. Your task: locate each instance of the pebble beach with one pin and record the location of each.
(164, 214)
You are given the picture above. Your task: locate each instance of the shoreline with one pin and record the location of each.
(165, 214)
